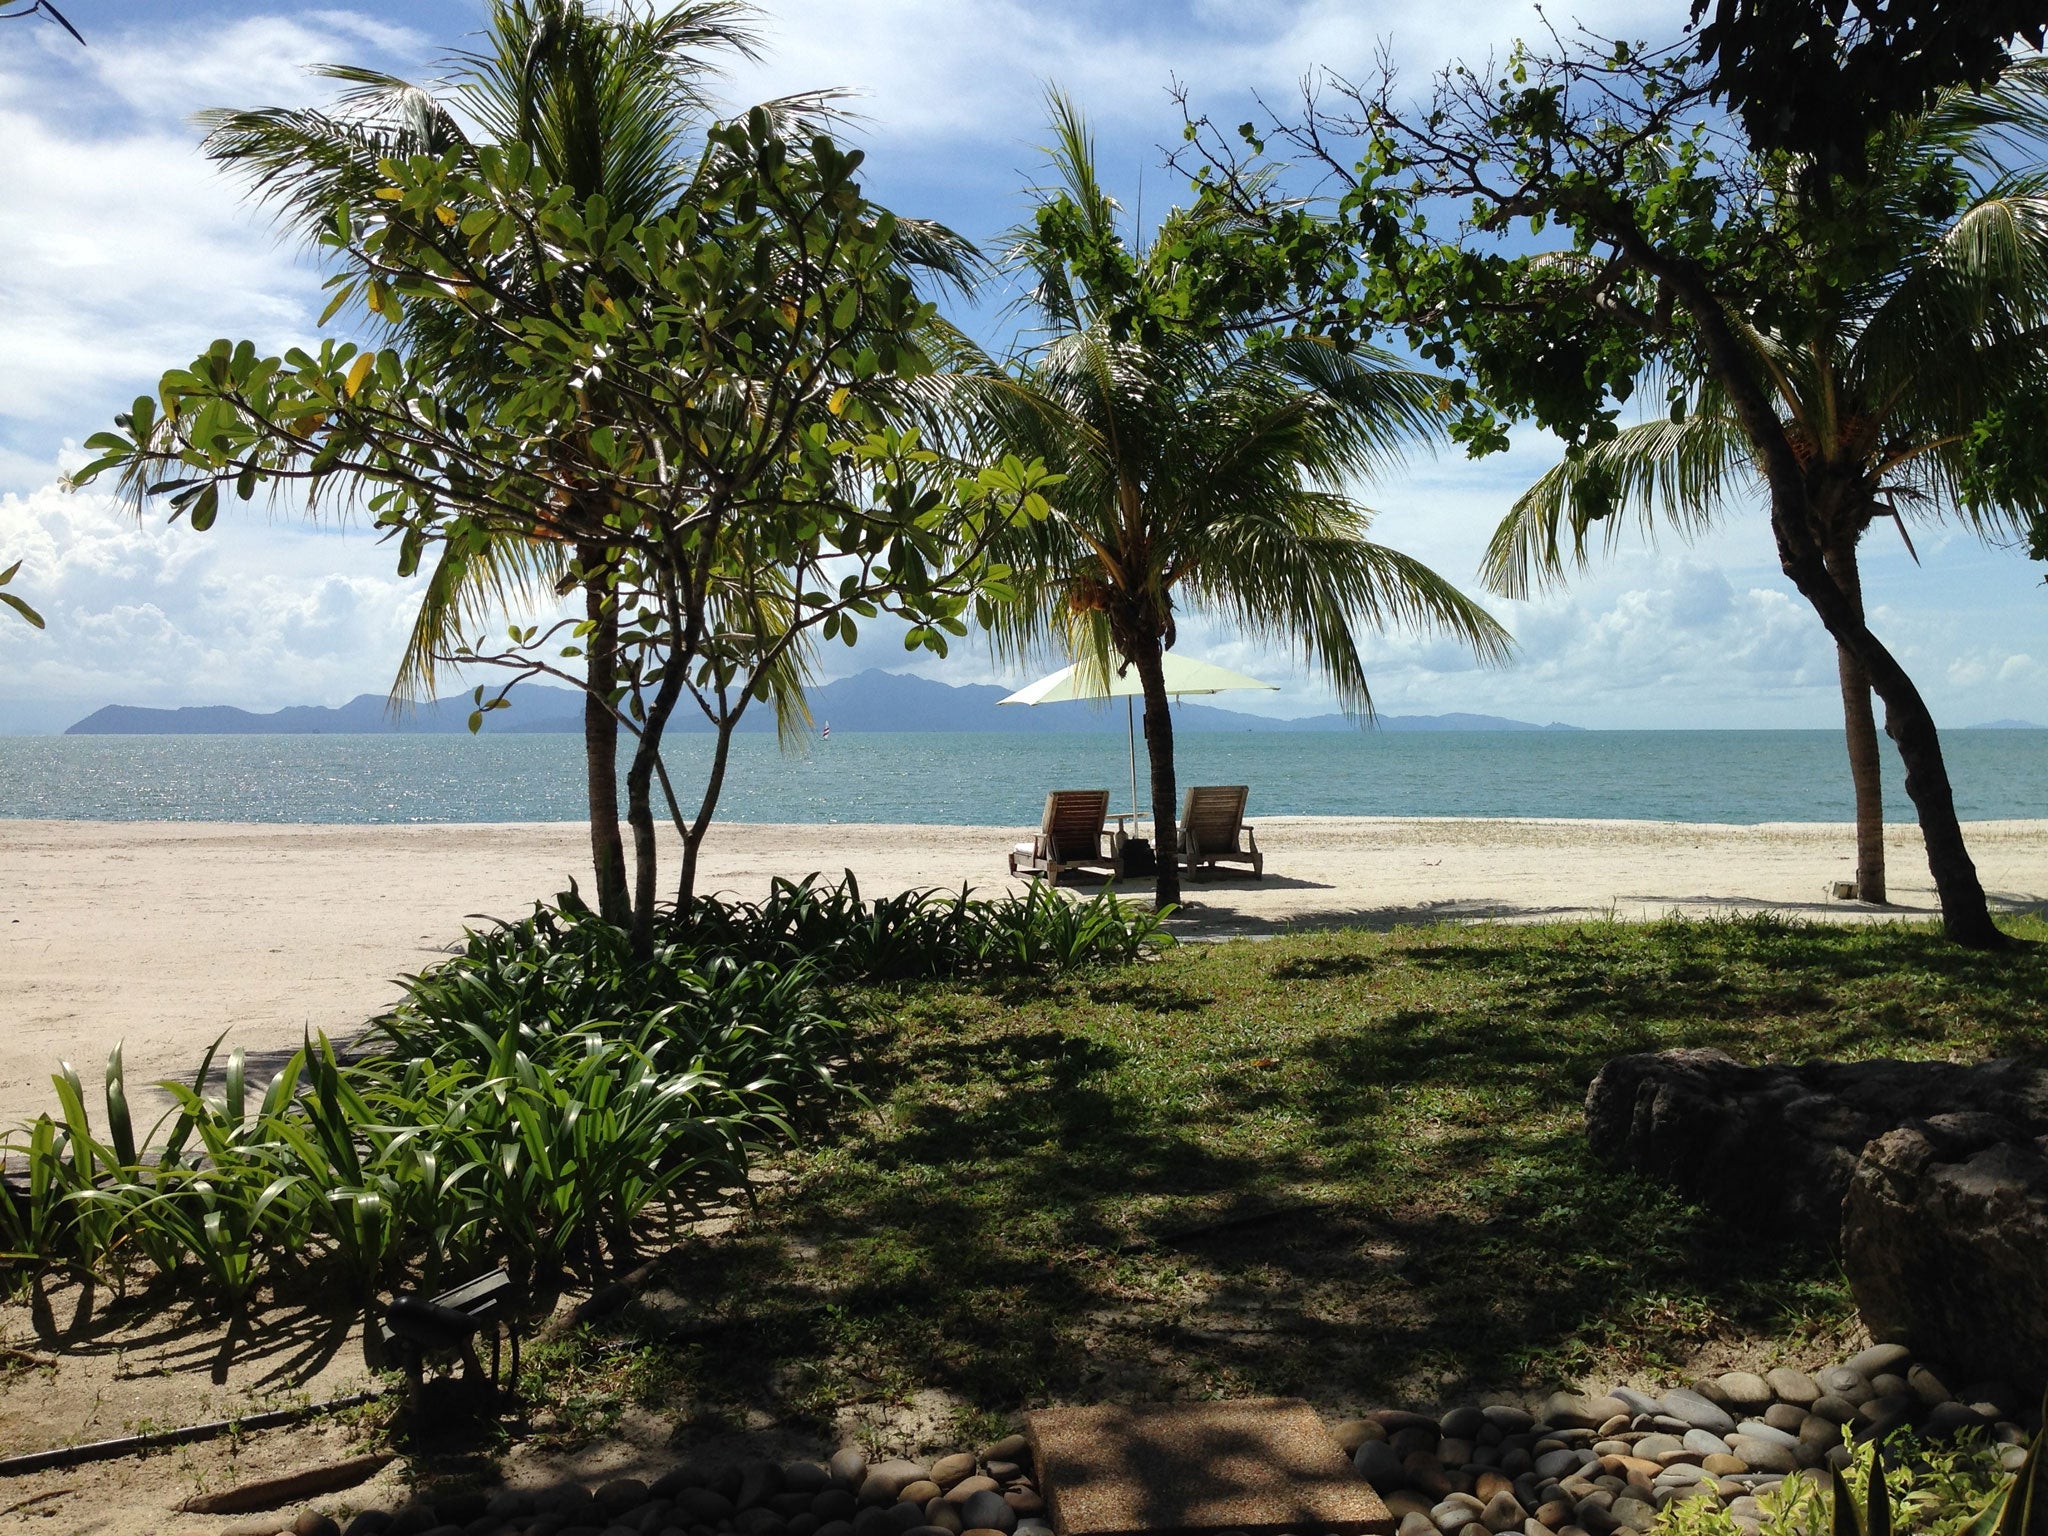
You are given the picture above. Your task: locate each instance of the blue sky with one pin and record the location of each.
(126, 253)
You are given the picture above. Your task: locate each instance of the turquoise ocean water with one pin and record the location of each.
(1725, 776)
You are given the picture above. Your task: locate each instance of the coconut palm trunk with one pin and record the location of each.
(1148, 658)
(1965, 912)
(1859, 727)
(601, 740)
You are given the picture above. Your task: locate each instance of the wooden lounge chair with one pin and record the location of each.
(1213, 832)
(1070, 836)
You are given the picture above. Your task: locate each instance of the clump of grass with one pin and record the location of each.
(352, 1175)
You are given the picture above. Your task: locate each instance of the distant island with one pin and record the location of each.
(873, 701)
(2010, 725)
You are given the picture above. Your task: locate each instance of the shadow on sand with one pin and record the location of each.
(279, 1348)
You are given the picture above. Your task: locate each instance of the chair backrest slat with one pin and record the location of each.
(1213, 815)
(1073, 821)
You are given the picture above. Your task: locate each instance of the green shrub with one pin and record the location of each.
(921, 935)
(541, 1099)
(1916, 1488)
(36, 1219)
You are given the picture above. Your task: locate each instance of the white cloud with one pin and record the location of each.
(933, 72)
(160, 73)
(1995, 665)
(255, 613)
(128, 251)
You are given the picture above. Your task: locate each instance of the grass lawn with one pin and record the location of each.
(1343, 1165)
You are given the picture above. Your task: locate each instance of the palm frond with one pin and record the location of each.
(463, 593)
(1075, 195)
(1675, 474)
(1200, 464)
(1306, 580)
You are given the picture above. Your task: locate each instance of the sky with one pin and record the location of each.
(126, 253)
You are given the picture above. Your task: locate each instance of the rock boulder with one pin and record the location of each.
(1775, 1146)
(1945, 1240)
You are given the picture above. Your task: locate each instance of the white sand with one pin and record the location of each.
(163, 935)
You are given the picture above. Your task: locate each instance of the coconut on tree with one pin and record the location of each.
(1208, 467)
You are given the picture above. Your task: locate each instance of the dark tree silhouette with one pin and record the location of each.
(1818, 77)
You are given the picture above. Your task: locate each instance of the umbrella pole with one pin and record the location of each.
(1131, 721)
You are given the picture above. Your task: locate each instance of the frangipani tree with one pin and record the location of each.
(607, 104)
(1202, 466)
(735, 414)
(1882, 386)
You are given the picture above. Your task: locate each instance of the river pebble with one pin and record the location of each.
(1604, 1463)
(1584, 1463)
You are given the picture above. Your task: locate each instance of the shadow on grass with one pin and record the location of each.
(1343, 1166)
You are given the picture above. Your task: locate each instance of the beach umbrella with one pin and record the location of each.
(1184, 675)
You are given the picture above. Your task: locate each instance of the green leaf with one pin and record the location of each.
(1847, 1520)
(22, 608)
(341, 297)
(1878, 1522)
(2020, 1513)
(119, 1125)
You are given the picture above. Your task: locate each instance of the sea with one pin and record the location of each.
(974, 779)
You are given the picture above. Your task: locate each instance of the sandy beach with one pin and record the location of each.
(162, 935)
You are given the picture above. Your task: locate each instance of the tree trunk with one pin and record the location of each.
(640, 809)
(693, 837)
(1965, 914)
(601, 740)
(1159, 752)
(1859, 726)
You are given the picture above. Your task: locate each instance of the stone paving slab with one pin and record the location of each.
(1264, 1466)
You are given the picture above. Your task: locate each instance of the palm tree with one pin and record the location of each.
(1881, 387)
(1204, 467)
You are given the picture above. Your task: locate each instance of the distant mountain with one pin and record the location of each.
(367, 714)
(2009, 725)
(878, 701)
(871, 701)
